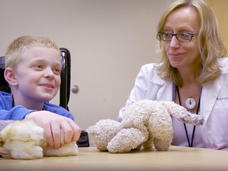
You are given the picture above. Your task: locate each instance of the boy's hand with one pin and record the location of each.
(56, 127)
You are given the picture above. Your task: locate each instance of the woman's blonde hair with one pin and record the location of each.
(15, 50)
(211, 46)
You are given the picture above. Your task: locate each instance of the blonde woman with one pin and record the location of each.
(193, 73)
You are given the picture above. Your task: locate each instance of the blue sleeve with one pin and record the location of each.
(7, 112)
(58, 110)
(16, 113)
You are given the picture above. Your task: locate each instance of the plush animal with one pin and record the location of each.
(25, 140)
(146, 125)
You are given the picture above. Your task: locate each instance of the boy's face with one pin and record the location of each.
(38, 74)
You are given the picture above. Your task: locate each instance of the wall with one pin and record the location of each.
(109, 40)
(220, 9)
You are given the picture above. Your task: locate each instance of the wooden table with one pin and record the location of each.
(177, 158)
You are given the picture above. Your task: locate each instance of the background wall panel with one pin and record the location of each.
(220, 8)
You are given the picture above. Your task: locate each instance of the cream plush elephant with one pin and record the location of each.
(146, 124)
(25, 140)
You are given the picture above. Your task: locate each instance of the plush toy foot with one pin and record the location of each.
(23, 150)
(126, 140)
(161, 144)
(148, 145)
(70, 149)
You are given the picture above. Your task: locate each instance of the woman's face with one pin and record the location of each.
(183, 54)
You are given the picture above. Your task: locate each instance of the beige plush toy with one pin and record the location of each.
(25, 140)
(146, 124)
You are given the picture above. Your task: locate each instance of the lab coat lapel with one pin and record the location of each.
(164, 89)
(165, 93)
(208, 98)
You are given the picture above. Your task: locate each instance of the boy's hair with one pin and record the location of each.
(15, 50)
(211, 46)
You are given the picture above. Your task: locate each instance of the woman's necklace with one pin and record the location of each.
(190, 104)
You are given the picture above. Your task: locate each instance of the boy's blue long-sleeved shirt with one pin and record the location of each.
(10, 112)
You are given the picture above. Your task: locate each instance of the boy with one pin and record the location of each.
(33, 68)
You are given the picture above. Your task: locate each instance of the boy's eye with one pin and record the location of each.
(38, 67)
(57, 70)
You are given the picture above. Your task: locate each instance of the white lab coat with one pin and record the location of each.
(213, 106)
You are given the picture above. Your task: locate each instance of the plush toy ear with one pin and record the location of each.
(1, 141)
(10, 76)
(3, 151)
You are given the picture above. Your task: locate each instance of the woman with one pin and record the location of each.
(192, 72)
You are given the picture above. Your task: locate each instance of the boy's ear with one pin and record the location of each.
(10, 76)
